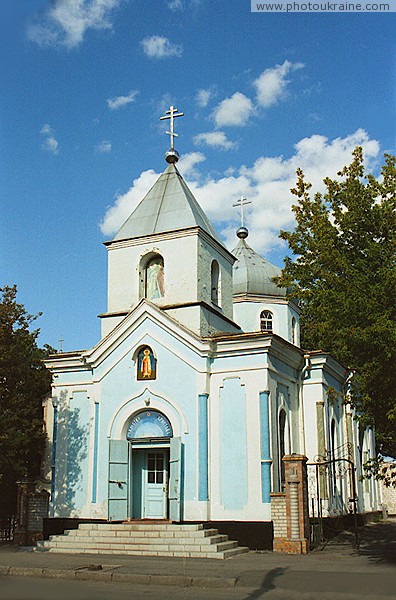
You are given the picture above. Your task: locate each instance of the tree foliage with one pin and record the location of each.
(24, 382)
(343, 276)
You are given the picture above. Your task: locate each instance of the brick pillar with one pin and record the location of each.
(296, 540)
(32, 507)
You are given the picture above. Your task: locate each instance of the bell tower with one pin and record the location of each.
(168, 252)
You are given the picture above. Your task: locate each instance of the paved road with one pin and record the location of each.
(336, 572)
(317, 588)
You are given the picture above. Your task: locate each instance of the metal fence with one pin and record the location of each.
(7, 528)
(331, 494)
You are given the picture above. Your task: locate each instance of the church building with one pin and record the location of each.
(198, 387)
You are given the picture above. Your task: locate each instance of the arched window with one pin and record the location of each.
(214, 287)
(154, 284)
(282, 449)
(266, 321)
(294, 330)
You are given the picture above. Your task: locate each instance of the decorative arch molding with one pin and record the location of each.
(140, 347)
(127, 411)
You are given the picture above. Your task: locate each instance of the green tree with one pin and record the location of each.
(343, 276)
(24, 382)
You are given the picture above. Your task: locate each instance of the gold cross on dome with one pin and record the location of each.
(171, 114)
(241, 203)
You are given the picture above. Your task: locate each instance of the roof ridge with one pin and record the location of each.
(167, 206)
(162, 199)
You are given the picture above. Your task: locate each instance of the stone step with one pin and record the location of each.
(132, 539)
(96, 533)
(180, 554)
(156, 547)
(140, 526)
(146, 539)
(232, 552)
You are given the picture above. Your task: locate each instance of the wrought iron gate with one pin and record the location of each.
(7, 528)
(331, 493)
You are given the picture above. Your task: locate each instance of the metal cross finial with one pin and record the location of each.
(171, 114)
(61, 340)
(241, 203)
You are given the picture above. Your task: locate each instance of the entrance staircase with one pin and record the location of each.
(143, 539)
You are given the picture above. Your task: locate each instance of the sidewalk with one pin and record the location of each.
(374, 561)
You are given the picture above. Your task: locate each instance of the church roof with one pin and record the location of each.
(169, 205)
(252, 274)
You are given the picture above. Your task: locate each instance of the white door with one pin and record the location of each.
(155, 485)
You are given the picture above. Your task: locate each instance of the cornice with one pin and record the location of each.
(169, 235)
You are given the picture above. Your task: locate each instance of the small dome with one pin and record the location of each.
(252, 274)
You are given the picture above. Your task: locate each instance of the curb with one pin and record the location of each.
(108, 577)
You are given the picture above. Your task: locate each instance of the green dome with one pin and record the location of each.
(252, 274)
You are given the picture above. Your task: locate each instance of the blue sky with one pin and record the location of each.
(84, 83)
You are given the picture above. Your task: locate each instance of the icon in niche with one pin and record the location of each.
(146, 364)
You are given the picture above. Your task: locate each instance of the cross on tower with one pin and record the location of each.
(171, 114)
(241, 203)
(61, 340)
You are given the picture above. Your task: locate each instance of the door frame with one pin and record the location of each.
(145, 448)
(165, 483)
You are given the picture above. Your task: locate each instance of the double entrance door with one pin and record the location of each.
(149, 492)
(144, 482)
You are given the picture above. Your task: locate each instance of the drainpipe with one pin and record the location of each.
(55, 404)
(305, 369)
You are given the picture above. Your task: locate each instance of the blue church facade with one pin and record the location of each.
(198, 387)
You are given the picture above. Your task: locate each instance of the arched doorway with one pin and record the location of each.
(143, 468)
(149, 434)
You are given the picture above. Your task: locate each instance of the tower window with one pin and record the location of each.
(215, 276)
(154, 278)
(266, 321)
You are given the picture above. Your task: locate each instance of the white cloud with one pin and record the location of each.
(46, 130)
(176, 5)
(50, 143)
(217, 139)
(267, 183)
(124, 204)
(271, 85)
(118, 101)
(202, 97)
(66, 21)
(103, 147)
(233, 111)
(158, 46)
(187, 163)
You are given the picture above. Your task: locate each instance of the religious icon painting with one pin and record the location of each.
(146, 364)
(155, 278)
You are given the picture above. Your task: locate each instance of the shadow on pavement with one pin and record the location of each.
(267, 583)
(378, 542)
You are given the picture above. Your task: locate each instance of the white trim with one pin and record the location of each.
(121, 418)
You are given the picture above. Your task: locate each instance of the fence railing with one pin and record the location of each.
(7, 528)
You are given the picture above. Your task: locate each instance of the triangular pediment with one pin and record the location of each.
(135, 320)
(133, 323)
